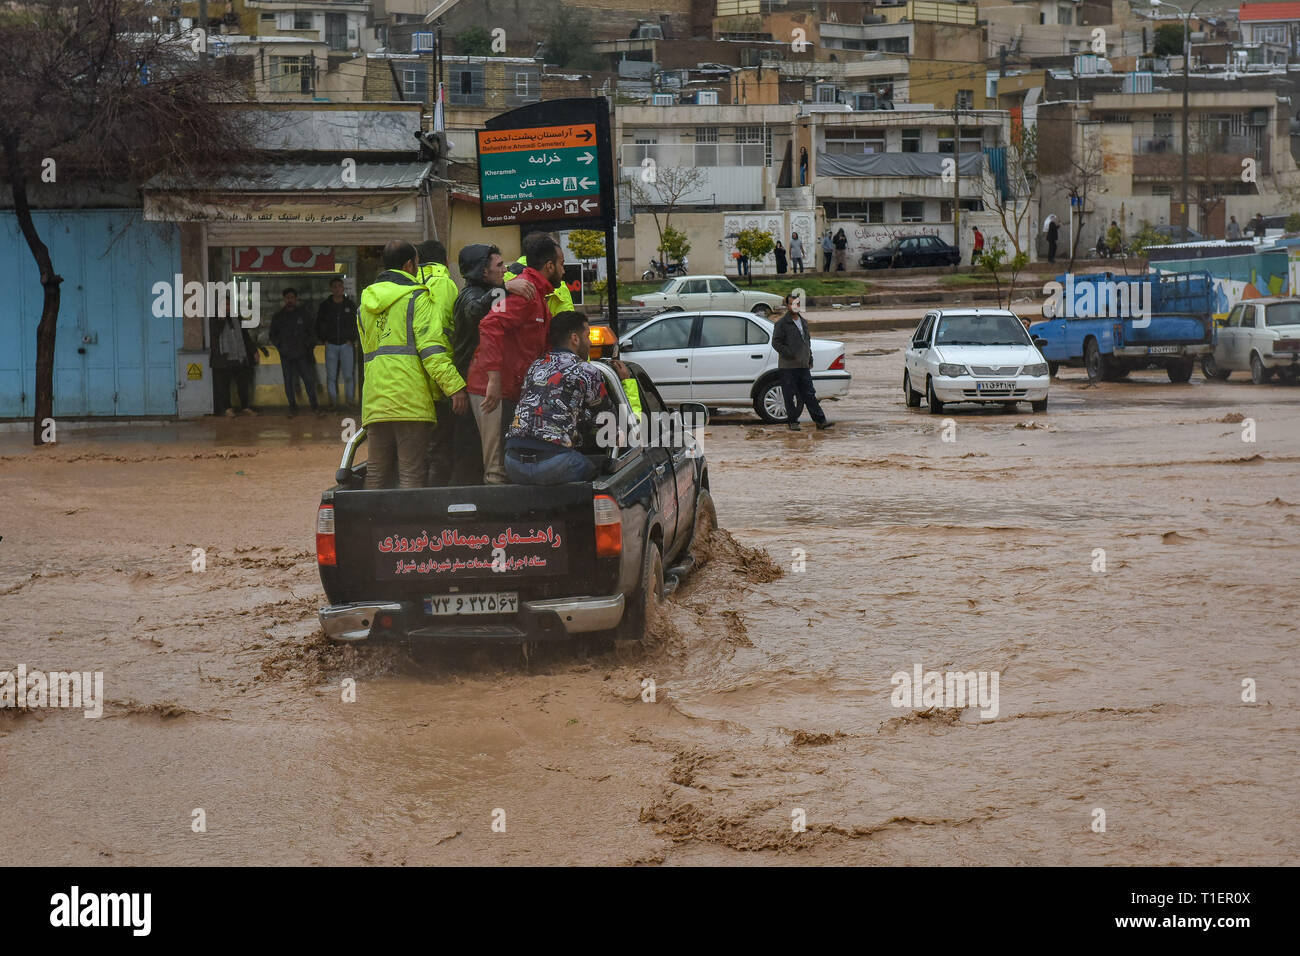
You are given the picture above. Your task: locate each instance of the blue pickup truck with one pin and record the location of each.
(1111, 325)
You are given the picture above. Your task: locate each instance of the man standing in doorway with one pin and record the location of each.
(293, 333)
(336, 326)
(1053, 233)
(409, 370)
(510, 338)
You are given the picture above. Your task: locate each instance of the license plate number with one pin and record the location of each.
(995, 387)
(489, 602)
(1164, 350)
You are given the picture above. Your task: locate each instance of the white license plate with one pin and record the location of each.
(488, 602)
(995, 387)
(1164, 349)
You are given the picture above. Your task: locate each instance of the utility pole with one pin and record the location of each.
(956, 183)
(1187, 59)
(203, 25)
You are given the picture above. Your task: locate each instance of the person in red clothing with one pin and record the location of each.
(510, 337)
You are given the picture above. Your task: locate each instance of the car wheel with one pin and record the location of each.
(639, 616)
(936, 406)
(1039, 406)
(912, 398)
(1053, 368)
(1210, 369)
(769, 402)
(1096, 364)
(762, 310)
(1180, 372)
(647, 274)
(1258, 373)
(706, 522)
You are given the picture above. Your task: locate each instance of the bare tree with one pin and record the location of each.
(91, 95)
(1083, 178)
(662, 189)
(1010, 196)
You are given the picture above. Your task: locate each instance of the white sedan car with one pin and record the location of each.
(722, 359)
(1261, 336)
(711, 293)
(973, 355)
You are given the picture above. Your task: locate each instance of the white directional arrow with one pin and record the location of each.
(586, 183)
(586, 158)
(588, 205)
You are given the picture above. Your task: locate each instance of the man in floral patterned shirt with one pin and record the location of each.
(561, 394)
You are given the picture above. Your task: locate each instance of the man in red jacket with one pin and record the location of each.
(510, 337)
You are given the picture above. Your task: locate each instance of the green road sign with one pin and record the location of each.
(539, 174)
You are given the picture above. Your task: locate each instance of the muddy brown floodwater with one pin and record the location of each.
(1118, 690)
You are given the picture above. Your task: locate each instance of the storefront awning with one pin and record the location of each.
(339, 203)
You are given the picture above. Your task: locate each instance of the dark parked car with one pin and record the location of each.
(911, 252)
(1174, 233)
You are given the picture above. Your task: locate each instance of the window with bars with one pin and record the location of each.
(302, 20)
(913, 210)
(965, 99)
(527, 88)
(292, 74)
(706, 134)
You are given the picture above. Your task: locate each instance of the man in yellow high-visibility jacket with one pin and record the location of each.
(443, 292)
(409, 369)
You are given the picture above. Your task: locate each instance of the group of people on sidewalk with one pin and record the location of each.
(295, 334)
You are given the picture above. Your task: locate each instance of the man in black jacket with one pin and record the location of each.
(293, 333)
(483, 269)
(232, 357)
(793, 344)
(336, 326)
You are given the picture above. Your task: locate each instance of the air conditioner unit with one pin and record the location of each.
(422, 42)
(707, 97)
(866, 101)
(662, 99)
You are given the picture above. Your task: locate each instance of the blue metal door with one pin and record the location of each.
(112, 356)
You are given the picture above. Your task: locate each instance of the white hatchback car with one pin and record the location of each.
(714, 293)
(974, 355)
(722, 359)
(1261, 336)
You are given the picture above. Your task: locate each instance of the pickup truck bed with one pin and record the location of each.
(512, 563)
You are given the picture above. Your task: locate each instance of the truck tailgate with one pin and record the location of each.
(1168, 330)
(409, 544)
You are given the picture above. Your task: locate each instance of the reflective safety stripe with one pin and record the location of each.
(409, 347)
(431, 350)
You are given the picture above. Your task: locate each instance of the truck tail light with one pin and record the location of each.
(609, 526)
(325, 553)
(838, 364)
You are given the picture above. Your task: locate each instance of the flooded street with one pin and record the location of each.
(846, 557)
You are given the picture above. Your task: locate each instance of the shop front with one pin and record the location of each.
(298, 230)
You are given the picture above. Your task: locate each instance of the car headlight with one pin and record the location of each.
(952, 371)
(1038, 368)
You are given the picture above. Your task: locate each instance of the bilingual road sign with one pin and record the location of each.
(539, 174)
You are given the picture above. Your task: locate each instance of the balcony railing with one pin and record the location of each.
(696, 154)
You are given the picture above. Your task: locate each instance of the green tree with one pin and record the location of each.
(568, 42)
(587, 244)
(1147, 236)
(995, 262)
(1169, 40)
(673, 245)
(754, 243)
(475, 41)
(1292, 223)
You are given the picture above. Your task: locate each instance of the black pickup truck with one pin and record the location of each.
(519, 563)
